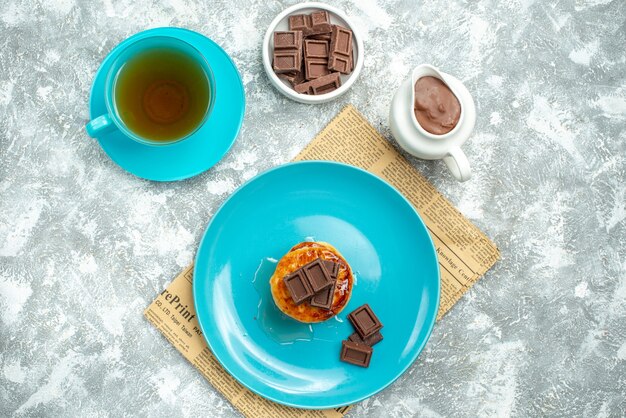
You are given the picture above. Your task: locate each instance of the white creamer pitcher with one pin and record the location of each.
(423, 144)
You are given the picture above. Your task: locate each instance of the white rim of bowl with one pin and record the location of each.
(288, 91)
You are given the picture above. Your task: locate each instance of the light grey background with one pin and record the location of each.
(85, 246)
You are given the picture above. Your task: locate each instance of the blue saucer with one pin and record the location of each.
(380, 235)
(196, 154)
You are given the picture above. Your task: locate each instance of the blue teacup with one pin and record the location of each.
(114, 120)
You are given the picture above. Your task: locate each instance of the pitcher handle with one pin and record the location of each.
(458, 164)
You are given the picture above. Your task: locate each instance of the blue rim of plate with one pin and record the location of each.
(415, 355)
(201, 151)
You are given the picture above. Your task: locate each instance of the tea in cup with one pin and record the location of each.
(158, 91)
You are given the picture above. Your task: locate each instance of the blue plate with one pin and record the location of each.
(381, 236)
(196, 154)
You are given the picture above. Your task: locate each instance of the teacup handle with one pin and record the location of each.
(98, 125)
(458, 164)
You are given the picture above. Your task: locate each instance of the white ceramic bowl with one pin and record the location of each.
(281, 23)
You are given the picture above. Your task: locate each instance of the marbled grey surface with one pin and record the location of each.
(84, 246)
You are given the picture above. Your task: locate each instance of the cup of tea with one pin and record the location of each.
(159, 90)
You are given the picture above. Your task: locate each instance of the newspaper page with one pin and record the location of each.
(464, 253)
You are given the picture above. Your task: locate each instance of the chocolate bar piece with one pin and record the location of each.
(314, 24)
(320, 23)
(317, 30)
(292, 77)
(340, 49)
(332, 268)
(299, 22)
(287, 52)
(318, 277)
(323, 299)
(321, 85)
(315, 59)
(315, 49)
(352, 61)
(315, 68)
(320, 17)
(365, 321)
(287, 61)
(355, 353)
(320, 37)
(371, 340)
(298, 286)
(288, 40)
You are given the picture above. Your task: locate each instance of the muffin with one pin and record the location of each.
(297, 257)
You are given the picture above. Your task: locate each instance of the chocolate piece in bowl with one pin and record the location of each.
(340, 55)
(299, 22)
(314, 24)
(315, 59)
(315, 68)
(287, 52)
(355, 353)
(318, 30)
(288, 40)
(298, 286)
(371, 340)
(321, 85)
(314, 48)
(320, 23)
(292, 77)
(352, 61)
(286, 61)
(320, 18)
(320, 37)
(364, 320)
